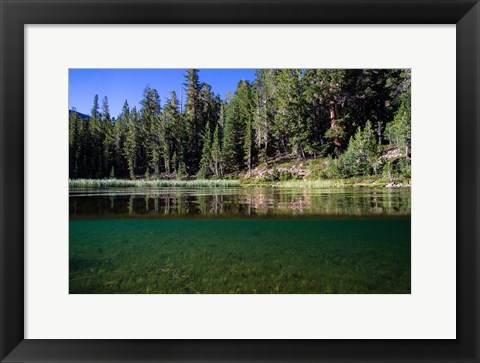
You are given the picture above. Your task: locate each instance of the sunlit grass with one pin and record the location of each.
(371, 182)
(119, 183)
(319, 183)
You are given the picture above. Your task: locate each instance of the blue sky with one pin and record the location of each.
(128, 84)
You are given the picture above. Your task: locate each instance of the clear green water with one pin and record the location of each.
(253, 240)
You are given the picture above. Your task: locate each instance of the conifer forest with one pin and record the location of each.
(354, 122)
(240, 181)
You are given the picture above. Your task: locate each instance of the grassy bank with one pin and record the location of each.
(302, 183)
(165, 183)
(319, 184)
(321, 173)
(329, 183)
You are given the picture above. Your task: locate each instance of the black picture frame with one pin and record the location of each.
(17, 13)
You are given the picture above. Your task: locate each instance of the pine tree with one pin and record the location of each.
(239, 150)
(327, 90)
(95, 113)
(173, 136)
(291, 124)
(216, 152)
(244, 117)
(360, 159)
(108, 139)
(306, 112)
(230, 140)
(265, 86)
(399, 130)
(206, 153)
(248, 144)
(95, 138)
(174, 161)
(182, 170)
(193, 116)
(74, 144)
(153, 130)
(130, 144)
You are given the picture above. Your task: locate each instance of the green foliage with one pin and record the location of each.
(331, 169)
(387, 171)
(205, 162)
(182, 170)
(399, 131)
(174, 161)
(108, 183)
(282, 114)
(399, 168)
(317, 184)
(216, 152)
(287, 175)
(153, 129)
(230, 139)
(335, 134)
(174, 133)
(405, 168)
(361, 157)
(289, 128)
(278, 175)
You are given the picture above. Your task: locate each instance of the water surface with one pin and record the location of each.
(240, 240)
(238, 202)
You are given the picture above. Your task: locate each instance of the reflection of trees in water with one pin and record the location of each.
(249, 202)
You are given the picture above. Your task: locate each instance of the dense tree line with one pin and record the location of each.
(347, 115)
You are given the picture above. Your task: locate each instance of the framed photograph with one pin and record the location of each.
(239, 181)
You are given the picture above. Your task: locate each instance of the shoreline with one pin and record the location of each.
(227, 183)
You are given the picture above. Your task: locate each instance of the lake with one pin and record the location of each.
(240, 240)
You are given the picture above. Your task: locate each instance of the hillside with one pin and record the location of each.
(293, 171)
(78, 114)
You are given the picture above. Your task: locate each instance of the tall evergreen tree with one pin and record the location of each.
(174, 135)
(216, 152)
(94, 155)
(309, 113)
(205, 161)
(265, 86)
(108, 140)
(193, 116)
(399, 130)
(327, 90)
(291, 124)
(152, 129)
(74, 144)
(129, 145)
(230, 143)
(244, 120)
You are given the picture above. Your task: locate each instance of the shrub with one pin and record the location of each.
(331, 169)
(361, 157)
(399, 130)
(182, 170)
(286, 175)
(393, 169)
(387, 171)
(404, 167)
